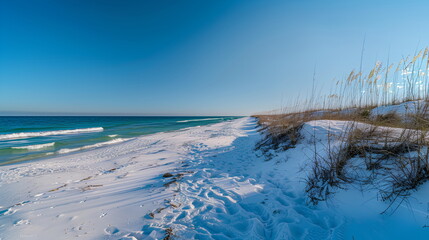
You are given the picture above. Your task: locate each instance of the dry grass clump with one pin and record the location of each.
(282, 132)
(168, 234)
(411, 173)
(393, 162)
(328, 171)
(390, 118)
(410, 167)
(326, 175)
(420, 118)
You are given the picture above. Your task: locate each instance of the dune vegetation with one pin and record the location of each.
(383, 146)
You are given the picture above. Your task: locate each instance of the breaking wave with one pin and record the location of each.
(48, 133)
(35, 147)
(197, 120)
(114, 141)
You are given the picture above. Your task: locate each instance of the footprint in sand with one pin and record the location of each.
(133, 236)
(111, 230)
(182, 215)
(8, 212)
(126, 238)
(21, 222)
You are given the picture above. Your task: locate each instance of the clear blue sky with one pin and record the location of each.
(220, 57)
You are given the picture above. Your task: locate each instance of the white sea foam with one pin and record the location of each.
(114, 141)
(197, 120)
(113, 135)
(48, 133)
(35, 147)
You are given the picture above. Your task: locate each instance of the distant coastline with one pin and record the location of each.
(25, 138)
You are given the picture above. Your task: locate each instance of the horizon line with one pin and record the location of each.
(112, 115)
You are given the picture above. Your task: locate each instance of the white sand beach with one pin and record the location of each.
(197, 183)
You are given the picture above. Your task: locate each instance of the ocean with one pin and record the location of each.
(30, 138)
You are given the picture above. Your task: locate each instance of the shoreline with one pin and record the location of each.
(35, 155)
(70, 174)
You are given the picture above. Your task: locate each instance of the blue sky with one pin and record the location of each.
(190, 57)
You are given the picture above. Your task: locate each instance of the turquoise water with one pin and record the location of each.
(28, 138)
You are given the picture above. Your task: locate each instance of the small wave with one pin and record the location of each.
(69, 150)
(113, 135)
(35, 147)
(48, 133)
(197, 120)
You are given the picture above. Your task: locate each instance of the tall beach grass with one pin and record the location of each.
(396, 163)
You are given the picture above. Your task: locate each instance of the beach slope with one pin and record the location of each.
(204, 182)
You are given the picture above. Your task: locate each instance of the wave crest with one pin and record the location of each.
(69, 150)
(35, 147)
(48, 133)
(197, 120)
